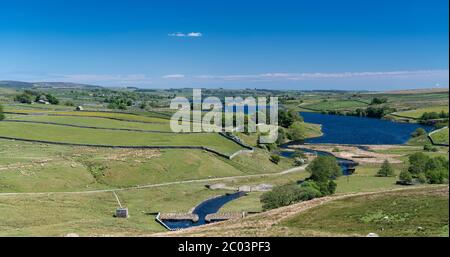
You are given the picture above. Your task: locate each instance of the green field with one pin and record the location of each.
(57, 133)
(120, 116)
(96, 122)
(32, 167)
(92, 214)
(422, 212)
(415, 114)
(53, 190)
(335, 105)
(441, 137)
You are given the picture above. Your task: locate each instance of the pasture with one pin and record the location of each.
(326, 105)
(74, 135)
(417, 113)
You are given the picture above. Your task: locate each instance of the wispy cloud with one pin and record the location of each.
(194, 34)
(182, 34)
(322, 76)
(116, 79)
(173, 76)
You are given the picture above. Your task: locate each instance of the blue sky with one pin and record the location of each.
(347, 44)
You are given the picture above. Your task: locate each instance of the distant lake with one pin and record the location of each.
(339, 129)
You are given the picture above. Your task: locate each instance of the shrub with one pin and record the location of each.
(288, 194)
(51, 99)
(438, 176)
(280, 196)
(24, 98)
(2, 116)
(275, 158)
(422, 178)
(405, 176)
(429, 148)
(417, 163)
(377, 100)
(296, 131)
(332, 187)
(419, 132)
(386, 170)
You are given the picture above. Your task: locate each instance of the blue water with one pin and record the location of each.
(347, 166)
(339, 129)
(207, 207)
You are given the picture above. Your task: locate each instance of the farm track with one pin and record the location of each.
(296, 169)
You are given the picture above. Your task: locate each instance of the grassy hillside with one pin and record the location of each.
(441, 137)
(32, 167)
(326, 105)
(96, 122)
(57, 133)
(408, 213)
(417, 113)
(405, 212)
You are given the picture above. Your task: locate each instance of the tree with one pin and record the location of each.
(296, 131)
(419, 132)
(430, 116)
(437, 176)
(405, 176)
(386, 170)
(24, 98)
(2, 116)
(417, 163)
(332, 187)
(324, 168)
(288, 194)
(281, 136)
(430, 148)
(287, 118)
(51, 99)
(143, 105)
(377, 100)
(280, 196)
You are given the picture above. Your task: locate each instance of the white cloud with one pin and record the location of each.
(182, 34)
(177, 34)
(174, 76)
(194, 34)
(321, 75)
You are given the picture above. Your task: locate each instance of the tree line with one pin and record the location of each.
(323, 171)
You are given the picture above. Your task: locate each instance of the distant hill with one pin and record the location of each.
(15, 84)
(21, 84)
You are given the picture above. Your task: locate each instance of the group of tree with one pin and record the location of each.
(287, 118)
(2, 115)
(425, 169)
(419, 132)
(291, 126)
(371, 112)
(433, 116)
(324, 170)
(30, 96)
(378, 100)
(118, 102)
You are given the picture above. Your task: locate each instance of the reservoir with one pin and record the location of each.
(338, 129)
